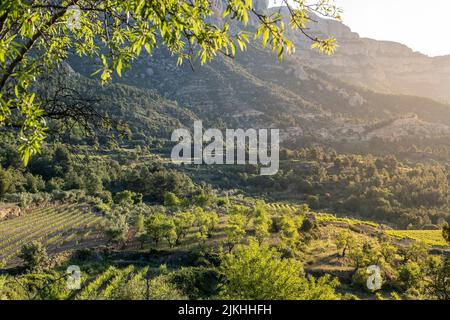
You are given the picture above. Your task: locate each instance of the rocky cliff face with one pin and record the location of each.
(383, 66)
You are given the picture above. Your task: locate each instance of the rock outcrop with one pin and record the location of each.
(9, 211)
(382, 66)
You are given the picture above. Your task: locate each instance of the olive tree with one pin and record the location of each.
(259, 272)
(446, 232)
(34, 256)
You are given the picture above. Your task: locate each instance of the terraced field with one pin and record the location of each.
(325, 217)
(56, 227)
(430, 237)
(281, 206)
(105, 285)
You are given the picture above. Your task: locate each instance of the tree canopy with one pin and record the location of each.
(36, 36)
(446, 232)
(259, 272)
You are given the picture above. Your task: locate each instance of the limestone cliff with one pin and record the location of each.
(383, 66)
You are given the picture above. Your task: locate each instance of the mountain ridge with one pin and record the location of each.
(305, 95)
(384, 66)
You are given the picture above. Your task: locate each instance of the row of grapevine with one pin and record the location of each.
(34, 226)
(90, 291)
(106, 285)
(282, 206)
(53, 226)
(429, 237)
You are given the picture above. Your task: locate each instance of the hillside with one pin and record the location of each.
(144, 111)
(367, 90)
(333, 250)
(256, 90)
(93, 205)
(382, 66)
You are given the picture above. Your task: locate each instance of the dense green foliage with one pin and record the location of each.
(257, 272)
(34, 256)
(414, 195)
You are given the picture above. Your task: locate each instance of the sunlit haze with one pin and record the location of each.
(422, 25)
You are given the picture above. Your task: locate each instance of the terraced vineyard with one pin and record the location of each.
(105, 285)
(56, 227)
(281, 206)
(325, 217)
(430, 237)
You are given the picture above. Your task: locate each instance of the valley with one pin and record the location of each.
(100, 200)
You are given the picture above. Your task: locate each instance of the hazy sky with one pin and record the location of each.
(423, 25)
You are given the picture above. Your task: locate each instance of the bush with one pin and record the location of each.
(34, 256)
(307, 226)
(276, 225)
(105, 197)
(446, 233)
(22, 199)
(124, 197)
(197, 282)
(410, 275)
(313, 202)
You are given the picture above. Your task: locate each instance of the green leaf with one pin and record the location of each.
(119, 67)
(265, 37)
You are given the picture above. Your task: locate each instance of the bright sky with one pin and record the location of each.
(423, 25)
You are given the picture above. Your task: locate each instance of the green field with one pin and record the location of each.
(430, 237)
(324, 217)
(55, 227)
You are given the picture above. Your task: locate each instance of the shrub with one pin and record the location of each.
(313, 202)
(34, 256)
(259, 272)
(410, 275)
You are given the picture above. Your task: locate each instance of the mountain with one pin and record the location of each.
(256, 90)
(383, 66)
(146, 112)
(305, 95)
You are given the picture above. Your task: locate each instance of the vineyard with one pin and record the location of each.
(430, 237)
(106, 285)
(325, 217)
(56, 227)
(282, 206)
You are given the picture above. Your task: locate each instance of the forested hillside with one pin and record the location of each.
(257, 90)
